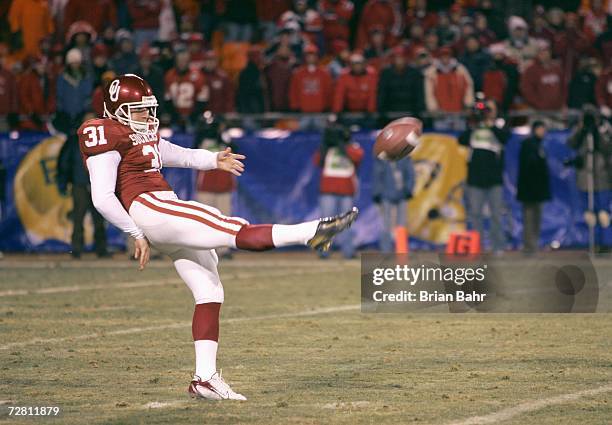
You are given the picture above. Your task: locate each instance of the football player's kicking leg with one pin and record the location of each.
(189, 231)
(167, 220)
(199, 271)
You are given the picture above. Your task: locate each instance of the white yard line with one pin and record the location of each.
(530, 406)
(127, 285)
(176, 325)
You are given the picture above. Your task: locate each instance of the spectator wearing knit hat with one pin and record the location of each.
(448, 85)
(311, 85)
(542, 84)
(74, 90)
(519, 46)
(356, 88)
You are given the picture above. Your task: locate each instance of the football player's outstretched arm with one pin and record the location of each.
(103, 176)
(176, 156)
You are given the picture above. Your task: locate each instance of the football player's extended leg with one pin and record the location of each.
(168, 220)
(199, 271)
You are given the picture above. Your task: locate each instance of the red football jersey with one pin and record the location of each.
(139, 169)
(184, 90)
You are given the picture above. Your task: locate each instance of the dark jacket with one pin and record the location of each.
(476, 64)
(252, 93)
(401, 91)
(582, 90)
(486, 158)
(70, 168)
(533, 178)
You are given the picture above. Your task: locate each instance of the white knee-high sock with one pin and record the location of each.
(206, 358)
(293, 234)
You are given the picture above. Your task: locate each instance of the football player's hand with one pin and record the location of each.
(230, 162)
(142, 252)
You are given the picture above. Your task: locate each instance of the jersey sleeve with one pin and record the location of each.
(95, 137)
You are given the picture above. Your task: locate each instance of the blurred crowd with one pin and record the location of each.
(309, 56)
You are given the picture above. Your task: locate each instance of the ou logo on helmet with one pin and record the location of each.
(114, 90)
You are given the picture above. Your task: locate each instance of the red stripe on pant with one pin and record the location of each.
(196, 208)
(205, 323)
(185, 215)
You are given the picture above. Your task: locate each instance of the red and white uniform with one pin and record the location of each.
(125, 173)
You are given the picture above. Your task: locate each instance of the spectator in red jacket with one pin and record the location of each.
(278, 77)
(145, 20)
(380, 14)
(356, 88)
(448, 85)
(336, 16)
(603, 91)
(100, 14)
(542, 82)
(311, 84)
(36, 94)
(9, 106)
(220, 86)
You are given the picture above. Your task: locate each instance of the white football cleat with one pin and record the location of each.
(213, 389)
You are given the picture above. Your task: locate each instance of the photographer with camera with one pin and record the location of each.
(592, 140)
(338, 158)
(485, 140)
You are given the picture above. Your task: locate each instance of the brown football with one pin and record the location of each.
(398, 138)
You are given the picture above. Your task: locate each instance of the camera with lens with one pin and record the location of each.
(481, 111)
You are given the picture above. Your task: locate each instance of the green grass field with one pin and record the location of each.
(109, 344)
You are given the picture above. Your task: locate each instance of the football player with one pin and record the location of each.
(124, 155)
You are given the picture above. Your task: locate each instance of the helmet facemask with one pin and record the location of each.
(123, 114)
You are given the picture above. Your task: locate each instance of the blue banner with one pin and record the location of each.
(280, 185)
